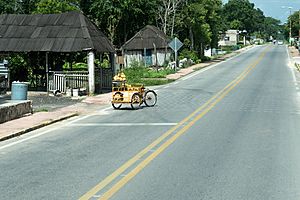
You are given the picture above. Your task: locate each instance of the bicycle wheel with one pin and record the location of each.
(117, 98)
(150, 98)
(136, 101)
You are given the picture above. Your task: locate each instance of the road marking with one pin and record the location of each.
(42, 133)
(123, 124)
(28, 138)
(145, 162)
(190, 120)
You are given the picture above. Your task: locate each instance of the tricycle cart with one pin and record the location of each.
(135, 95)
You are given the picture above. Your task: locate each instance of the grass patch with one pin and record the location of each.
(151, 82)
(41, 110)
(147, 76)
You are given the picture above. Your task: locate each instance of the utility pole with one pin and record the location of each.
(299, 27)
(290, 25)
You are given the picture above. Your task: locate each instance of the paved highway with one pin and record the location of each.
(230, 131)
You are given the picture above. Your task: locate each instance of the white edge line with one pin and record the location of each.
(125, 124)
(42, 133)
(28, 138)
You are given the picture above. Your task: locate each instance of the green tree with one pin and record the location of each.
(121, 19)
(236, 24)
(200, 22)
(213, 18)
(8, 7)
(27, 6)
(294, 20)
(242, 14)
(56, 6)
(271, 27)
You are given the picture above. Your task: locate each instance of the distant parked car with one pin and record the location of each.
(280, 42)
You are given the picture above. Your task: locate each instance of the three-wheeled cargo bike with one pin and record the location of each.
(134, 94)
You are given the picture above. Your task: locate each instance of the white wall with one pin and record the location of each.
(131, 56)
(232, 38)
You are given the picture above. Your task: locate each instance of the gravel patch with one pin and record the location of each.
(41, 101)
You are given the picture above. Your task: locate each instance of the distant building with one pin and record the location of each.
(149, 46)
(230, 38)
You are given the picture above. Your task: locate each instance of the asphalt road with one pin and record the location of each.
(230, 131)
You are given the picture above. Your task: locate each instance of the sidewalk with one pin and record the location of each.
(89, 105)
(37, 120)
(295, 57)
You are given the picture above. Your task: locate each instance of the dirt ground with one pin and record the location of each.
(43, 102)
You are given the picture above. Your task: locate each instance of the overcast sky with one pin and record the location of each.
(278, 9)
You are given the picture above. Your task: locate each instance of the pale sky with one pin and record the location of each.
(278, 9)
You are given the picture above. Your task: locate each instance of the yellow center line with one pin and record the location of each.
(145, 162)
(134, 159)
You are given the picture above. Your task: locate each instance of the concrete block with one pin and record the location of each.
(14, 109)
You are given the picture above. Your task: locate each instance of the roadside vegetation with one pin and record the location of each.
(138, 73)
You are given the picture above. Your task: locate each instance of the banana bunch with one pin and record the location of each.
(120, 77)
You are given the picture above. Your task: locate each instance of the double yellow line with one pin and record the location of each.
(160, 144)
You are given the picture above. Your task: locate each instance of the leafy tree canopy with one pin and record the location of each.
(242, 14)
(56, 6)
(294, 21)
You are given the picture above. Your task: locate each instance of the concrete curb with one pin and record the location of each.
(46, 123)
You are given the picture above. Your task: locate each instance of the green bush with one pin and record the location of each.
(136, 64)
(19, 68)
(185, 53)
(75, 66)
(205, 58)
(161, 73)
(229, 49)
(147, 76)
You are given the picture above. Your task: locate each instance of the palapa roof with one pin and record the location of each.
(66, 32)
(146, 37)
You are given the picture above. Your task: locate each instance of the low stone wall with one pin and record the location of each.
(14, 109)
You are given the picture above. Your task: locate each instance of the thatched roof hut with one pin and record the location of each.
(149, 45)
(66, 32)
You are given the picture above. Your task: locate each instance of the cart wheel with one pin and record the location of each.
(117, 97)
(136, 101)
(150, 98)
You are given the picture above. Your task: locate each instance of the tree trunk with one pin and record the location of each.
(191, 38)
(173, 21)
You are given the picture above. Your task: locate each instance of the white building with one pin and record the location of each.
(149, 46)
(230, 38)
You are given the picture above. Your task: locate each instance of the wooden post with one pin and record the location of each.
(47, 72)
